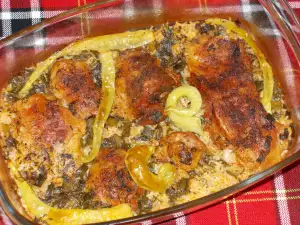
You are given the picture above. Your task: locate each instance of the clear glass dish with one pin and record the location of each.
(276, 28)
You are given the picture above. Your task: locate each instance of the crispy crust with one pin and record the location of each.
(48, 140)
(183, 149)
(72, 82)
(45, 122)
(110, 180)
(221, 70)
(142, 87)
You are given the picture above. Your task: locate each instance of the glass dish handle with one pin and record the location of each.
(287, 21)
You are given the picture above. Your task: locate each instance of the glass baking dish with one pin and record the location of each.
(272, 22)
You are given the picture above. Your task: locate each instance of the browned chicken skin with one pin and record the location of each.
(45, 122)
(110, 180)
(184, 149)
(142, 87)
(72, 81)
(45, 132)
(221, 70)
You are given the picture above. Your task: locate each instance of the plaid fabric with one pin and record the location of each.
(274, 201)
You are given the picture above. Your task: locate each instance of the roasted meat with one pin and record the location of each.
(142, 86)
(184, 149)
(45, 123)
(110, 180)
(221, 70)
(48, 139)
(72, 81)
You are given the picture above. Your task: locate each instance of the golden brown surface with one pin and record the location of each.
(72, 82)
(184, 149)
(221, 70)
(44, 122)
(48, 140)
(110, 180)
(142, 87)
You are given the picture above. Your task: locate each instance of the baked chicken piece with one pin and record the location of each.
(45, 122)
(183, 149)
(48, 140)
(110, 180)
(72, 82)
(142, 87)
(221, 70)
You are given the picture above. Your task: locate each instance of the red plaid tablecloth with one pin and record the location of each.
(274, 201)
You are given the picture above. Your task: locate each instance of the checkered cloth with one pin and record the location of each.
(274, 201)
